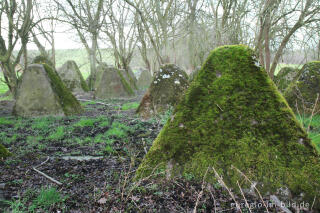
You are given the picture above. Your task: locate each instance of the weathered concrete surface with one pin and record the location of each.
(72, 78)
(112, 84)
(166, 88)
(144, 79)
(40, 93)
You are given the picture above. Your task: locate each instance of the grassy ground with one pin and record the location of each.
(312, 125)
(94, 156)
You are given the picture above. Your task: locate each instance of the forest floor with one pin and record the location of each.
(94, 157)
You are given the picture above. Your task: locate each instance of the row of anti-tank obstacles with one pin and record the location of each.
(231, 118)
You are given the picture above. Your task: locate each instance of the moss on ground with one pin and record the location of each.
(302, 94)
(69, 103)
(4, 153)
(233, 115)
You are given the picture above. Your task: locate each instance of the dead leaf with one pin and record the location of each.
(102, 200)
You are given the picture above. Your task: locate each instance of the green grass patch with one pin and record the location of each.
(58, 134)
(46, 200)
(85, 122)
(5, 121)
(99, 138)
(118, 130)
(86, 103)
(90, 122)
(128, 106)
(314, 128)
(6, 139)
(42, 122)
(109, 150)
(6, 98)
(21, 123)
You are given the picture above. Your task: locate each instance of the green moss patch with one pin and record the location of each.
(69, 103)
(40, 59)
(131, 105)
(125, 83)
(194, 73)
(233, 115)
(4, 153)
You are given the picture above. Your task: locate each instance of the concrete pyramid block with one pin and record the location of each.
(112, 84)
(166, 89)
(233, 116)
(71, 76)
(42, 92)
(144, 79)
(302, 93)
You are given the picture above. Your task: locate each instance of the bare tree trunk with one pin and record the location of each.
(39, 45)
(53, 48)
(319, 50)
(143, 49)
(282, 46)
(191, 47)
(25, 56)
(93, 58)
(144, 21)
(267, 45)
(10, 77)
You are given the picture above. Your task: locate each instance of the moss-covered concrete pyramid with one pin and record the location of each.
(112, 84)
(144, 79)
(99, 72)
(194, 73)
(130, 78)
(165, 90)
(286, 76)
(233, 114)
(302, 94)
(72, 77)
(42, 92)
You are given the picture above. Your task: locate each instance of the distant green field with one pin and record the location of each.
(62, 55)
(3, 86)
(80, 56)
(286, 65)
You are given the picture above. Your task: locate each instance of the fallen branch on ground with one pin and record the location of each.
(43, 174)
(98, 102)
